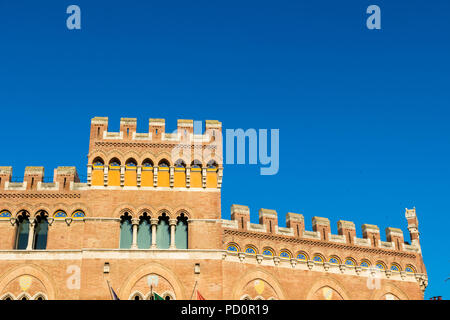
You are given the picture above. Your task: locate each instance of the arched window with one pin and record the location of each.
(5, 215)
(144, 235)
(232, 247)
(163, 232)
(268, 252)
(318, 258)
(40, 231)
(350, 262)
(164, 163)
(180, 164)
(78, 215)
(114, 162)
(334, 260)
(285, 254)
(126, 231)
(396, 267)
(131, 163)
(59, 215)
(302, 256)
(147, 163)
(365, 264)
(410, 269)
(22, 231)
(212, 164)
(196, 164)
(98, 162)
(250, 250)
(380, 265)
(181, 232)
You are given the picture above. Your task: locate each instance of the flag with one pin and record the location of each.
(115, 297)
(113, 293)
(199, 296)
(157, 296)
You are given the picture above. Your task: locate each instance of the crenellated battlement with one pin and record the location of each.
(156, 131)
(64, 178)
(295, 228)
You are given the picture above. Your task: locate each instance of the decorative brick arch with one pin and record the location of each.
(119, 211)
(186, 210)
(97, 154)
(331, 282)
(146, 208)
(165, 209)
(153, 268)
(257, 274)
(389, 288)
(33, 271)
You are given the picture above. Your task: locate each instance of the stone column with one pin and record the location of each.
(135, 223)
(89, 174)
(155, 176)
(171, 172)
(105, 175)
(173, 223)
(138, 175)
(204, 177)
(188, 177)
(122, 175)
(31, 234)
(154, 223)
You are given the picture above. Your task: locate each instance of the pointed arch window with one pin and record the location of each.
(181, 232)
(163, 232)
(126, 231)
(144, 235)
(23, 229)
(41, 231)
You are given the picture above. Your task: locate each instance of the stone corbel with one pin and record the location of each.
(241, 256)
(50, 220)
(13, 221)
(358, 270)
(310, 264)
(276, 260)
(403, 274)
(224, 255)
(326, 266)
(293, 263)
(388, 273)
(342, 267)
(68, 220)
(373, 272)
(188, 177)
(171, 176)
(122, 175)
(259, 258)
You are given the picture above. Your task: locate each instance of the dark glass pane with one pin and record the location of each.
(22, 234)
(40, 240)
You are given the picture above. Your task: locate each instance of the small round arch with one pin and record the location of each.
(349, 261)
(410, 268)
(365, 263)
(60, 214)
(318, 258)
(7, 296)
(136, 295)
(285, 254)
(168, 295)
(40, 296)
(395, 267)
(251, 249)
(78, 215)
(5, 215)
(268, 252)
(380, 265)
(233, 247)
(334, 260)
(302, 256)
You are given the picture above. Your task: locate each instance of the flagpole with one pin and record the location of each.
(109, 286)
(195, 286)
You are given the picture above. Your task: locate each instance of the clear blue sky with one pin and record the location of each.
(363, 115)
